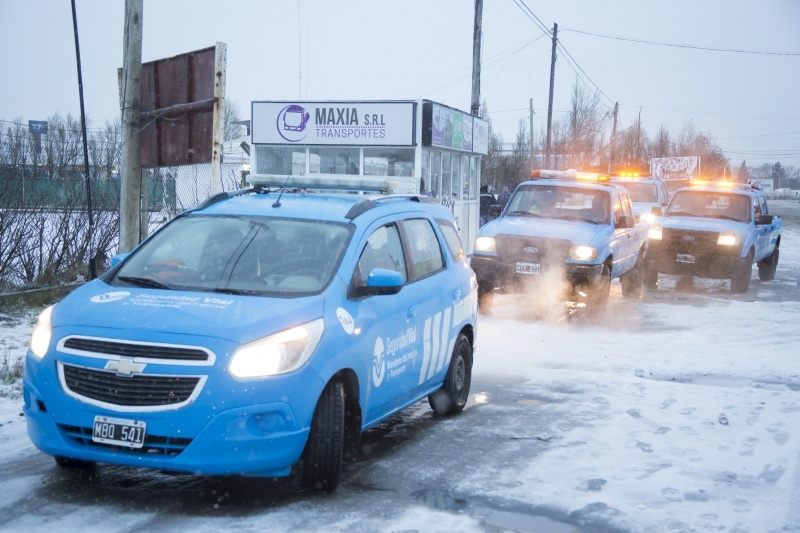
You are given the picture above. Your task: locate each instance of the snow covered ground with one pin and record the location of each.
(678, 412)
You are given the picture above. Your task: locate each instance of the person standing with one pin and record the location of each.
(503, 197)
(487, 200)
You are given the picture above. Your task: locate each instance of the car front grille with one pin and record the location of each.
(138, 390)
(690, 241)
(126, 349)
(547, 252)
(153, 444)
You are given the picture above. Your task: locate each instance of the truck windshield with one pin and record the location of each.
(641, 191)
(549, 201)
(238, 255)
(710, 204)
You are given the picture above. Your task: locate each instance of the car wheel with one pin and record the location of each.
(633, 280)
(649, 278)
(768, 267)
(322, 459)
(66, 462)
(452, 397)
(741, 279)
(597, 301)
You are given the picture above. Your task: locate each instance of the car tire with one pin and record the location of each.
(75, 464)
(597, 301)
(322, 458)
(740, 281)
(452, 396)
(633, 280)
(649, 278)
(768, 267)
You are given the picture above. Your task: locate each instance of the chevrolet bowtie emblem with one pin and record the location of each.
(125, 367)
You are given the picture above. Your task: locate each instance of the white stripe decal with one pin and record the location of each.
(437, 332)
(446, 327)
(426, 351)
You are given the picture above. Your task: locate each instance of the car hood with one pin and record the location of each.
(700, 224)
(137, 313)
(575, 231)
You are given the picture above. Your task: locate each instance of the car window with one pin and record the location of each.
(626, 204)
(426, 253)
(617, 208)
(451, 238)
(756, 206)
(764, 208)
(384, 249)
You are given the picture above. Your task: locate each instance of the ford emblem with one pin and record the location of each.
(531, 250)
(688, 239)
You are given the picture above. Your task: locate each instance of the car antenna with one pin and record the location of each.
(278, 201)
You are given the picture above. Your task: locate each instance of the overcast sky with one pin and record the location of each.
(411, 49)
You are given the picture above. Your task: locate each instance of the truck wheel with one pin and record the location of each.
(597, 301)
(767, 267)
(452, 397)
(649, 278)
(741, 279)
(633, 280)
(322, 458)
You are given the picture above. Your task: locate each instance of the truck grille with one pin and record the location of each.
(149, 351)
(138, 390)
(513, 249)
(690, 241)
(153, 444)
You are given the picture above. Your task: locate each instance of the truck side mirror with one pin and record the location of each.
(626, 221)
(763, 219)
(656, 211)
(494, 211)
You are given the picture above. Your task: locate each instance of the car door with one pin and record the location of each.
(621, 240)
(762, 231)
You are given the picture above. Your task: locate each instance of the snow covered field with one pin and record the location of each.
(677, 412)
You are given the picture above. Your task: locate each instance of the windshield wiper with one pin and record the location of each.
(524, 214)
(143, 282)
(236, 292)
(725, 217)
(679, 214)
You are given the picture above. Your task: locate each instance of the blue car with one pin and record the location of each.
(258, 334)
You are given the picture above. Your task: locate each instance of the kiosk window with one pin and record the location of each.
(337, 160)
(284, 160)
(389, 161)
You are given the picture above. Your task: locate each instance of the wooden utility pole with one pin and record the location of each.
(131, 175)
(476, 59)
(550, 101)
(531, 119)
(613, 157)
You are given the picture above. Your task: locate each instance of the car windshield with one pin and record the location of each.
(238, 255)
(710, 204)
(641, 191)
(548, 201)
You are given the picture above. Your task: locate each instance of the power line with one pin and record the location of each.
(708, 48)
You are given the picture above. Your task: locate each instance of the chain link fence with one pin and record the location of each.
(45, 236)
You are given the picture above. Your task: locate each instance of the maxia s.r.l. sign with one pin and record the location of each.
(334, 123)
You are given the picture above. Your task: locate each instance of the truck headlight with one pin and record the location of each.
(279, 353)
(485, 244)
(729, 238)
(42, 333)
(654, 233)
(583, 253)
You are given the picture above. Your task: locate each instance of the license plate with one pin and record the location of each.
(685, 258)
(129, 433)
(527, 268)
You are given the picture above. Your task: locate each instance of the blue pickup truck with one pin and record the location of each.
(715, 230)
(573, 231)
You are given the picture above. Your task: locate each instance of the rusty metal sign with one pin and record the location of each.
(181, 102)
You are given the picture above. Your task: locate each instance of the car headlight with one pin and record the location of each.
(42, 333)
(583, 253)
(648, 217)
(279, 353)
(485, 244)
(654, 233)
(729, 238)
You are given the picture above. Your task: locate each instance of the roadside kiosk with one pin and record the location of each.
(410, 147)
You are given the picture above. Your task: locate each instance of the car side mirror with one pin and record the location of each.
(764, 219)
(381, 281)
(656, 211)
(626, 221)
(494, 211)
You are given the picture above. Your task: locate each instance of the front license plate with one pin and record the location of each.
(685, 258)
(122, 432)
(527, 268)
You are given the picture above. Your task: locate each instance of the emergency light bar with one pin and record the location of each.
(570, 174)
(382, 184)
(628, 174)
(721, 184)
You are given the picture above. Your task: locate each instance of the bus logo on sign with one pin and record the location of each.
(292, 122)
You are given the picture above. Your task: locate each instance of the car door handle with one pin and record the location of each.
(412, 312)
(457, 294)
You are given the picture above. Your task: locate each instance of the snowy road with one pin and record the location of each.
(572, 426)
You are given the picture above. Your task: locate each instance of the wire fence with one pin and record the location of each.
(45, 235)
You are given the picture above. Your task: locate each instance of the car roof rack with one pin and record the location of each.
(369, 203)
(337, 182)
